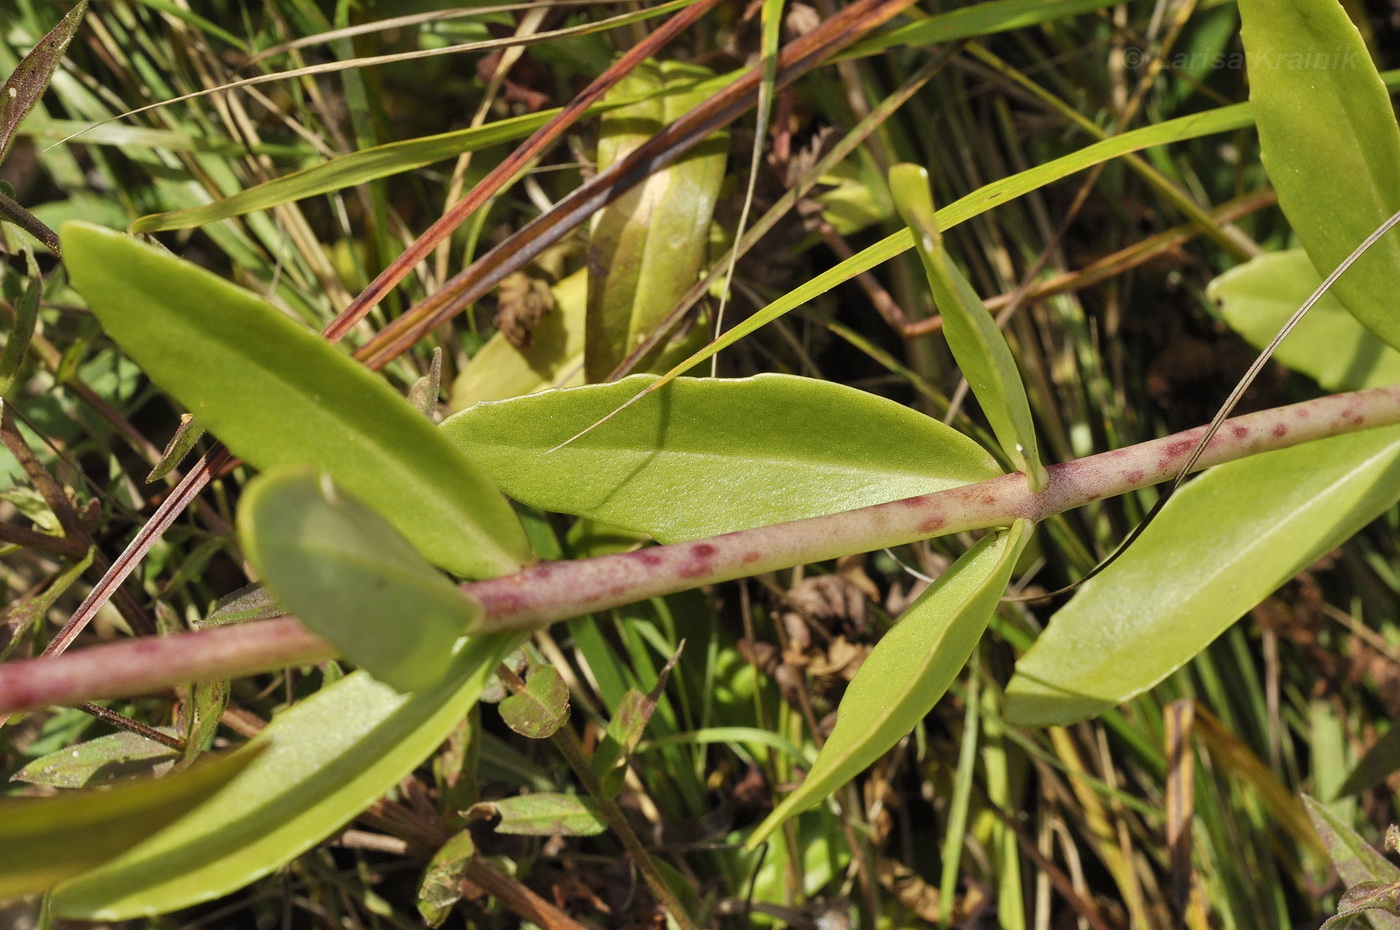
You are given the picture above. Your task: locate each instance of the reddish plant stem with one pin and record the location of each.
(555, 591)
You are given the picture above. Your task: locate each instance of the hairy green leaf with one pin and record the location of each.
(1223, 543)
(1328, 344)
(97, 760)
(350, 576)
(973, 337)
(47, 840)
(544, 814)
(541, 707)
(704, 457)
(909, 669)
(325, 760)
(26, 84)
(277, 394)
(1329, 141)
(1356, 861)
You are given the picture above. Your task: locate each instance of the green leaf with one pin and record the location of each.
(541, 707)
(704, 457)
(350, 576)
(1356, 861)
(1223, 543)
(46, 840)
(1328, 344)
(543, 814)
(441, 887)
(1330, 144)
(277, 394)
(909, 669)
(97, 760)
(973, 337)
(26, 315)
(326, 759)
(647, 247)
(26, 84)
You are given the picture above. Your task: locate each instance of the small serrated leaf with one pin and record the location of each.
(541, 707)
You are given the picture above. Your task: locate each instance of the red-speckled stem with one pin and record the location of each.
(559, 590)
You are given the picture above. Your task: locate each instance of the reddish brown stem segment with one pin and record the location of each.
(556, 591)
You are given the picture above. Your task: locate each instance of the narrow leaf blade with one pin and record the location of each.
(47, 840)
(972, 334)
(909, 669)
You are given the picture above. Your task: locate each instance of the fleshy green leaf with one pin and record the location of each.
(1223, 543)
(543, 814)
(541, 707)
(1328, 344)
(326, 759)
(350, 576)
(1330, 144)
(46, 840)
(973, 337)
(703, 457)
(646, 248)
(909, 669)
(277, 394)
(97, 760)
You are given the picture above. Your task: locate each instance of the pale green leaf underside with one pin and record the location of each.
(1328, 344)
(47, 840)
(326, 759)
(277, 394)
(1329, 141)
(351, 577)
(703, 457)
(1226, 540)
(909, 669)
